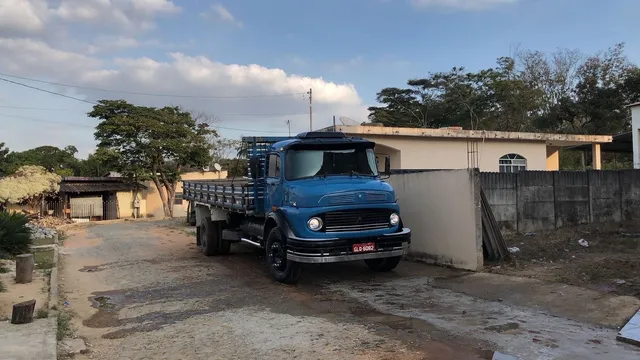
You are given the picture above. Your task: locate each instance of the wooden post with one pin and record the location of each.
(24, 268)
(23, 312)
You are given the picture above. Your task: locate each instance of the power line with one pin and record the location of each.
(91, 126)
(217, 114)
(143, 93)
(47, 91)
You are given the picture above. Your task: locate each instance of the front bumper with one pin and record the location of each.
(313, 251)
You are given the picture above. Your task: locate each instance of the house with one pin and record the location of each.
(455, 148)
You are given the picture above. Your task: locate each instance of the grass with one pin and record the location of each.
(44, 259)
(42, 313)
(4, 269)
(62, 236)
(64, 328)
(2, 287)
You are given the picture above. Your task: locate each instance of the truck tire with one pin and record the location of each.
(210, 235)
(282, 270)
(384, 264)
(198, 231)
(224, 246)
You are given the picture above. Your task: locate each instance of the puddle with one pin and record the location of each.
(109, 301)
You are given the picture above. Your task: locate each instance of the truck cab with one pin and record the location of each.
(315, 198)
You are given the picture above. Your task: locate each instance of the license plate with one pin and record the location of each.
(366, 247)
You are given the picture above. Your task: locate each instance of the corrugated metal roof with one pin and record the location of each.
(98, 186)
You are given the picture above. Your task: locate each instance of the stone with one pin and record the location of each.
(72, 346)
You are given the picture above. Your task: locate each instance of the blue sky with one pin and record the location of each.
(345, 50)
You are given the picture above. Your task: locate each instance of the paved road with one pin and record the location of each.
(144, 290)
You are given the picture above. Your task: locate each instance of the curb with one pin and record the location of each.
(53, 281)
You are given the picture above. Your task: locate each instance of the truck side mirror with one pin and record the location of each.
(387, 165)
(254, 167)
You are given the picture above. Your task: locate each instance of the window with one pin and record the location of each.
(274, 166)
(303, 164)
(177, 198)
(511, 163)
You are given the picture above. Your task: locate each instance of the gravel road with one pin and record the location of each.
(143, 290)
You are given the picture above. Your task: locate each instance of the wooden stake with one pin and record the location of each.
(23, 312)
(24, 268)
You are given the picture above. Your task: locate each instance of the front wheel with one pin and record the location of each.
(281, 269)
(384, 264)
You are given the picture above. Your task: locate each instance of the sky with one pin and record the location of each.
(250, 63)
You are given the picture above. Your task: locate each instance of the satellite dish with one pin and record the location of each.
(217, 167)
(348, 121)
(205, 168)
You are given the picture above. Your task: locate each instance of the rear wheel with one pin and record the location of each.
(210, 236)
(224, 246)
(384, 264)
(281, 269)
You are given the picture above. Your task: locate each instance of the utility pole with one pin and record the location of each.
(310, 109)
(289, 125)
(334, 123)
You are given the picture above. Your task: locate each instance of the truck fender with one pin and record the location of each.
(276, 219)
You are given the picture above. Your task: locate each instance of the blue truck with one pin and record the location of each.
(314, 198)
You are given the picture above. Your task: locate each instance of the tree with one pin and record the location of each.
(28, 186)
(156, 144)
(223, 148)
(60, 161)
(4, 151)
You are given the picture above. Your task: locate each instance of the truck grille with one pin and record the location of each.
(356, 220)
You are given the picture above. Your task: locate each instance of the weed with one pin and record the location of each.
(65, 328)
(62, 236)
(4, 269)
(2, 287)
(42, 313)
(44, 259)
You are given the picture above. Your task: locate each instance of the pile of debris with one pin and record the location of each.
(50, 221)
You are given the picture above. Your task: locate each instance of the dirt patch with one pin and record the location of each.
(38, 289)
(610, 262)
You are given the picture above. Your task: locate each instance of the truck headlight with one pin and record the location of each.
(394, 219)
(314, 223)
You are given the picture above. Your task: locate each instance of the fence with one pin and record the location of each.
(82, 211)
(535, 200)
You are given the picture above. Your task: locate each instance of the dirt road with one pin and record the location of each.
(144, 290)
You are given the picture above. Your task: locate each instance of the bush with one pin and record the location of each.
(15, 236)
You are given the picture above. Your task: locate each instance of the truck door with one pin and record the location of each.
(273, 183)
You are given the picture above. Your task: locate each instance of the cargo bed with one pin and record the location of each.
(231, 194)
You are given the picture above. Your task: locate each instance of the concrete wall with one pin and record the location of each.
(529, 201)
(635, 132)
(442, 209)
(442, 153)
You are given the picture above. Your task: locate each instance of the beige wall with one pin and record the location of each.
(441, 153)
(442, 209)
(553, 158)
(153, 203)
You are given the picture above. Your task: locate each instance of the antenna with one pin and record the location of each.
(348, 121)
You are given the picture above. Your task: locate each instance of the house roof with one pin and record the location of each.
(622, 143)
(77, 184)
(457, 133)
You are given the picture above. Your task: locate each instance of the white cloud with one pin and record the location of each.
(254, 89)
(222, 13)
(22, 16)
(467, 5)
(38, 16)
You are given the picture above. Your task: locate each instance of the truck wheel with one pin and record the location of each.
(198, 232)
(384, 264)
(281, 269)
(224, 246)
(210, 235)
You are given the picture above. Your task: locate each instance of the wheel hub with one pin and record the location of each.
(278, 257)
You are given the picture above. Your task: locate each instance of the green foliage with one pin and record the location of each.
(3, 288)
(564, 92)
(15, 237)
(65, 328)
(235, 167)
(4, 151)
(42, 313)
(155, 144)
(60, 161)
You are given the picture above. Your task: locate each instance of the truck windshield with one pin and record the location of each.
(302, 164)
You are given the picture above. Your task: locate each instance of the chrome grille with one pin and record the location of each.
(356, 220)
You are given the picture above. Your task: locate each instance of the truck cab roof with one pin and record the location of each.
(313, 139)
